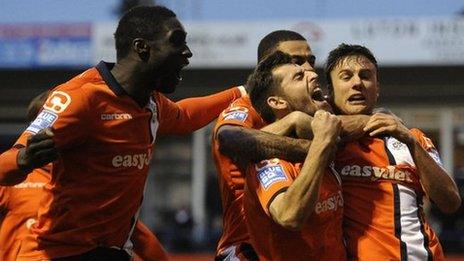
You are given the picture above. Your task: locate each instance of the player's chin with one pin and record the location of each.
(169, 84)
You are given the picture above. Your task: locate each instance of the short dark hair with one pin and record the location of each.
(269, 43)
(142, 21)
(341, 52)
(261, 83)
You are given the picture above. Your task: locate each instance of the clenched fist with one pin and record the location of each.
(326, 127)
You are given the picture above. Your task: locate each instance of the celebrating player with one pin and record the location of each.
(386, 175)
(286, 204)
(99, 131)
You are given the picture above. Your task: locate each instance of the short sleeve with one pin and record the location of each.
(269, 178)
(239, 113)
(428, 145)
(66, 112)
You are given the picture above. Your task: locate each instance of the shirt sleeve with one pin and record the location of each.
(237, 114)
(428, 145)
(191, 114)
(269, 178)
(67, 113)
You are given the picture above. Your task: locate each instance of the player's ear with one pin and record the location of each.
(276, 102)
(141, 48)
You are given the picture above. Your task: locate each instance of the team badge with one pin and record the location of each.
(57, 101)
(236, 113)
(270, 172)
(44, 120)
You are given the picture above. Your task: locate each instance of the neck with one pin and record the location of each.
(134, 80)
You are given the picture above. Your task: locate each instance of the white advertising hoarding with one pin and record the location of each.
(394, 41)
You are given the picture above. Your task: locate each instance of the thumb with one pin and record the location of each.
(49, 132)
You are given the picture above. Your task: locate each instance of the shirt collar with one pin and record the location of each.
(104, 69)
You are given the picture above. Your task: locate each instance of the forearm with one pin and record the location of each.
(283, 127)
(197, 112)
(436, 182)
(352, 126)
(250, 145)
(294, 206)
(146, 245)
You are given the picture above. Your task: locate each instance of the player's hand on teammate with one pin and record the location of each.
(382, 124)
(326, 127)
(39, 151)
(302, 125)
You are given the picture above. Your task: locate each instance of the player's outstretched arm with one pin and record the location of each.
(191, 114)
(290, 209)
(438, 185)
(295, 124)
(249, 145)
(18, 162)
(353, 127)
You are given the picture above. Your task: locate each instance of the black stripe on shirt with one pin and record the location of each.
(391, 159)
(422, 229)
(397, 213)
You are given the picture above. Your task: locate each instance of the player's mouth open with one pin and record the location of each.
(317, 95)
(357, 99)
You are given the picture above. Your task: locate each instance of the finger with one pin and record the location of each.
(41, 145)
(371, 124)
(45, 157)
(380, 131)
(41, 135)
(376, 123)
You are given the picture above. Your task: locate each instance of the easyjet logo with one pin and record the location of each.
(116, 116)
(388, 172)
(137, 160)
(57, 101)
(330, 204)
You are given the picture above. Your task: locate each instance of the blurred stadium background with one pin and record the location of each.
(420, 48)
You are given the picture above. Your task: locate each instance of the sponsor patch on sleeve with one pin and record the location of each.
(236, 113)
(270, 173)
(44, 120)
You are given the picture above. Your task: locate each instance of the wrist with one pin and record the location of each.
(324, 140)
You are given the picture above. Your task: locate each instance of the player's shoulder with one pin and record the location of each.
(87, 81)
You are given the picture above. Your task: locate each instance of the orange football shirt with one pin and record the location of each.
(231, 180)
(320, 238)
(19, 203)
(105, 141)
(383, 218)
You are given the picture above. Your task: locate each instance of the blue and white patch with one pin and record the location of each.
(237, 113)
(271, 174)
(435, 156)
(44, 120)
